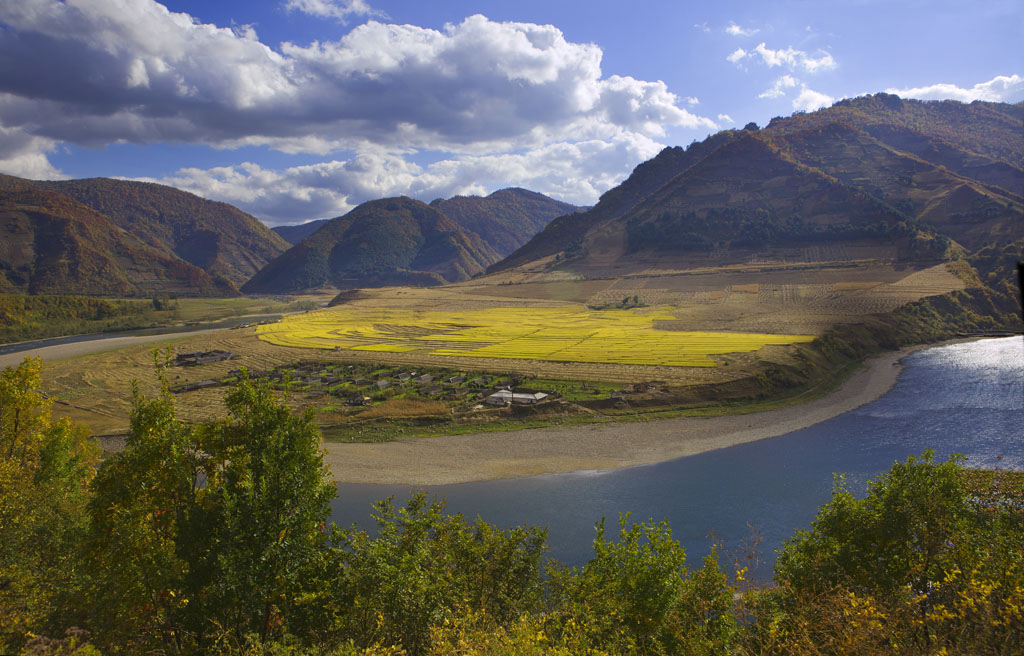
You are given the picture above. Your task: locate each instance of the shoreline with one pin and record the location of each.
(597, 447)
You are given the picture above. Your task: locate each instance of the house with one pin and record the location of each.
(204, 357)
(507, 397)
(431, 390)
(383, 384)
(426, 378)
(455, 380)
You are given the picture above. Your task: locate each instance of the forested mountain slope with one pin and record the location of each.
(392, 241)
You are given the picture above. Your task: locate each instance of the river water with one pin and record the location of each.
(961, 398)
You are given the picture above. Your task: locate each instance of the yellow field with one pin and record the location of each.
(561, 334)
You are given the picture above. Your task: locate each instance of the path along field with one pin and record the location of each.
(568, 333)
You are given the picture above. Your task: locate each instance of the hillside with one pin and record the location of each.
(293, 234)
(876, 177)
(392, 241)
(506, 219)
(216, 237)
(52, 244)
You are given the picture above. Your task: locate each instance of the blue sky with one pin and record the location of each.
(301, 109)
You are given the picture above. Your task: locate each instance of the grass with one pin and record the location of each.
(560, 334)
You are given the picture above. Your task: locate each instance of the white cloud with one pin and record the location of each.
(575, 172)
(778, 89)
(337, 9)
(153, 75)
(736, 30)
(95, 72)
(810, 100)
(789, 57)
(692, 100)
(1002, 88)
(737, 55)
(703, 27)
(725, 118)
(25, 156)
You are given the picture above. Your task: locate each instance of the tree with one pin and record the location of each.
(206, 533)
(636, 595)
(422, 569)
(45, 469)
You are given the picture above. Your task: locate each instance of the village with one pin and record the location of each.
(364, 385)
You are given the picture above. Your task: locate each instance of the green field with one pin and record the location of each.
(560, 334)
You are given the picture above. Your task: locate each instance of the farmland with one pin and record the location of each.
(569, 333)
(708, 338)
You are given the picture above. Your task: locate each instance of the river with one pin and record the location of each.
(961, 398)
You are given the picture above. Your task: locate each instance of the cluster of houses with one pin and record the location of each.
(359, 387)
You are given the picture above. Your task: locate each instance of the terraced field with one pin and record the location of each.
(568, 333)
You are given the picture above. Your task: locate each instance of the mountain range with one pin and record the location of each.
(400, 241)
(916, 178)
(871, 177)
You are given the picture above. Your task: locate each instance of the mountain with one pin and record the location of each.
(52, 244)
(392, 241)
(908, 178)
(293, 234)
(507, 218)
(216, 237)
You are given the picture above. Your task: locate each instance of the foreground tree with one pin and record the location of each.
(45, 469)
(206, 534)
(927, 562)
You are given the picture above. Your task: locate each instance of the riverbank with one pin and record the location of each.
(595, 447)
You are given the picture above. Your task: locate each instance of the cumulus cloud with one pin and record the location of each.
(141, 73)
(25, 156)
(736, 30)
(788, 57)
(1001, 88)
(725, 118)
(337, 9)
(810, 100)
(779, 88)
(575, 172)
(95, 72)
(736, 56)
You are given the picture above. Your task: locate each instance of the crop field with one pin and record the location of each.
(559, 334)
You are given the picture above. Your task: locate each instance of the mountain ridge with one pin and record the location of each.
(214, 236)
(857, 186)
(390, 241)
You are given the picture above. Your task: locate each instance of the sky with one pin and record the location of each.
(295, 110)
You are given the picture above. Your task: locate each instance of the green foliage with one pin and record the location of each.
(45, 469)
(922, 562)
(206, 531)
(424, 568)
(24, 317)
(637, 596)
